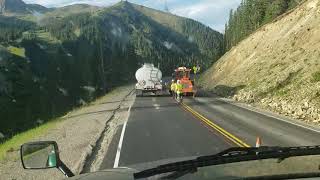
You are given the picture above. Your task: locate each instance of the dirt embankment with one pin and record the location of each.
(277, 67)
(79, 137)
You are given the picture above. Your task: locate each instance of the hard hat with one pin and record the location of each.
(178, 81)
(172, 80)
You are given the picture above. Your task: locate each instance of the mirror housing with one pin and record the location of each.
(40, 155)
(43, 155)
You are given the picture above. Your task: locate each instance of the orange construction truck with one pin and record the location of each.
(183, 74)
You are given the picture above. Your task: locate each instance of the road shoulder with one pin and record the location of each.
(77, 136)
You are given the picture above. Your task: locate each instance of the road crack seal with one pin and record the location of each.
(93, 159)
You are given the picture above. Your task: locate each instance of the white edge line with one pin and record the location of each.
(116, 161)
(268, 115)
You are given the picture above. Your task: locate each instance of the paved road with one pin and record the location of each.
(158, 128)
(247, 125)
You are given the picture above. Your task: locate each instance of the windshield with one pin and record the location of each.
(137, 84)
(182, 74)
(295, 167)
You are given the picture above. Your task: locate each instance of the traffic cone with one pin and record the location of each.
(258, 142)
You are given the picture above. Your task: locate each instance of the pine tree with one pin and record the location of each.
(252, 14)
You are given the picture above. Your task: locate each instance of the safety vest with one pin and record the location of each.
(179, 88)
(195, 69)
(173, 86)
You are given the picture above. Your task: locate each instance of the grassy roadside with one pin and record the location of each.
(16, 141)
(17, 51)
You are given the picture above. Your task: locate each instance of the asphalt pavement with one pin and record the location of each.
(247, 125)
(159, 128)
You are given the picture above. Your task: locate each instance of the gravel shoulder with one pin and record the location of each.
(77, 135)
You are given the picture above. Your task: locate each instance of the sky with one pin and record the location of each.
(213, 13)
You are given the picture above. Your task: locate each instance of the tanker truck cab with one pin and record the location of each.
(149, 80)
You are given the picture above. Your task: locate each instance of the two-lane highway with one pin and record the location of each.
(158, 128)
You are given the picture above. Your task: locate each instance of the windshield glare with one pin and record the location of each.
(257, 168)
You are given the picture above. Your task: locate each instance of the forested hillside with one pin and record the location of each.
(208, 41)
(153, 40)
(11, 28)
(71, 55)
(252, 14)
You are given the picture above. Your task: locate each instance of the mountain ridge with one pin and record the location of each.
(79, 52)
(19, 7)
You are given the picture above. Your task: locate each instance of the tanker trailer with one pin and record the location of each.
(149, 80)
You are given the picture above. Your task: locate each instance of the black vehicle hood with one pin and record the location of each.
(126, 173)
(254, 168)
(148, 165)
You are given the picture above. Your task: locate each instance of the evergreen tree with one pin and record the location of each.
(252, 14)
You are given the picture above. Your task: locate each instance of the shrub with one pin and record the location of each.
(316, 77)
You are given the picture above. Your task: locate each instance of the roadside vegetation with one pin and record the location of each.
(316, 77)
(17, 51)
(16, 141)
(251, 15)
(13, 144)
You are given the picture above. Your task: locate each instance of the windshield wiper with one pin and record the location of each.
(232, 155)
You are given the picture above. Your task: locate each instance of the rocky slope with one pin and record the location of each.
(277, 67)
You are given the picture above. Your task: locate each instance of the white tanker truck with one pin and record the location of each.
(149, 80)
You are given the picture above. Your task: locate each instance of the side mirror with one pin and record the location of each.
(43, 155)
(40, 155)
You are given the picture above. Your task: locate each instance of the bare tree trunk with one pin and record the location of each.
(103, 77)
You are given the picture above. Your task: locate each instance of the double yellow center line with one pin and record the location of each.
(219, 129)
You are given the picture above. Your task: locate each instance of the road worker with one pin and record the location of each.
(173, 88)
(179, 88)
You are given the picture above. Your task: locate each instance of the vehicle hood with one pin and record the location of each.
(153, 164)
(239, 170)
(126, 173)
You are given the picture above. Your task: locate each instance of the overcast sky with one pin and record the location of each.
(213, 13)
